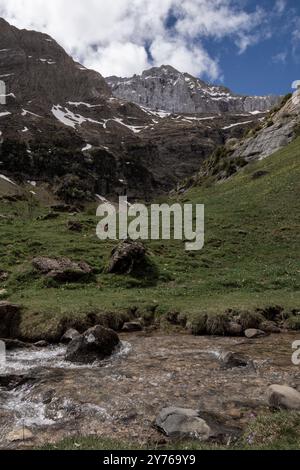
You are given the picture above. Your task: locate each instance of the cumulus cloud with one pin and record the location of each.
(123, 37)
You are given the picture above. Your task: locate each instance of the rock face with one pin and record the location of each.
(126, 257)
(182, 423)
(95, 344)
(282, 396)
(165, 88)
(276, 134)
(63, 269)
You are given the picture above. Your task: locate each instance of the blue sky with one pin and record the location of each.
(251, 46)
(270, 65)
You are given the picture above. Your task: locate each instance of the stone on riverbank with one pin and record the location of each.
(282, 396)
(182, 423)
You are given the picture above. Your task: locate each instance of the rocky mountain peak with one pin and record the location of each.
(167, 89)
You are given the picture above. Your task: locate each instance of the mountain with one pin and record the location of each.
(167, 89)
(62, 126)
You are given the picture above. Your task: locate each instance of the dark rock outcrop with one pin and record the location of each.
(97, 343)
(9, 319)
(126, 257)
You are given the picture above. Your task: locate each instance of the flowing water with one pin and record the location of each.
(121, 396)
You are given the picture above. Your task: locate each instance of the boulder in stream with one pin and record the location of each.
(69, 335)
(97, 343)
(182, 423)
(230, 360)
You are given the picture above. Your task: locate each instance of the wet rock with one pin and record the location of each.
(269, 327)
(9, 319)
(131, 327)
(126, 257)
(182, 423)
(229, 360)
(69, 336)
(19, 434)
(95, 344)
(62, 269)
(12, 344)
(282, 396)
(48, 396)
(234, 329)
(253, 333)
(41, 344)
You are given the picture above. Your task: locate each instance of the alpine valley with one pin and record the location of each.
(129, 344)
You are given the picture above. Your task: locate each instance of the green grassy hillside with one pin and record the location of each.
(250, 258)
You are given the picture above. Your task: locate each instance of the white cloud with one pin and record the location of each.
(115, 37)
(280, 58)
(280, 6)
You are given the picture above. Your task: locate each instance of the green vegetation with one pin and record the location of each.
(250, 259)
(270, 431)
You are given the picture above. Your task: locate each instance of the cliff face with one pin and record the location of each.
(167, 89)
(279, 130)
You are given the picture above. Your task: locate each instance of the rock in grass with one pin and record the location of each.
(282, 396)
(182, 423)
(126, 257)
(253, 333)
(97, 343)
(69, 336)
(62, 269)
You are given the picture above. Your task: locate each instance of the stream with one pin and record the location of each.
(120, 397)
